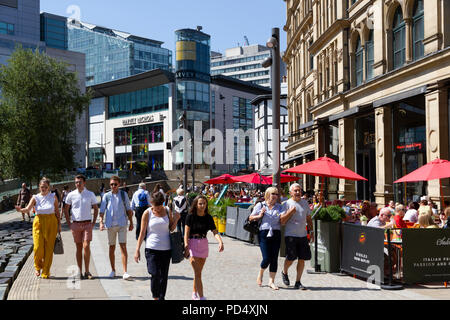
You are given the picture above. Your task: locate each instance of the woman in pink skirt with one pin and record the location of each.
(198, 223)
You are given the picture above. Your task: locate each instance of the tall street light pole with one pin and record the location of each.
(274, 44)
(183, 124)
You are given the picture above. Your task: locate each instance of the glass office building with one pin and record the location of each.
(112, 54)
(54, 31)
(193, 55)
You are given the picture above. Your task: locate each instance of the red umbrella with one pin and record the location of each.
(260, 179)
(326, 167)
(253, 178)
(436, 169)
(287, 178)
(223, 179)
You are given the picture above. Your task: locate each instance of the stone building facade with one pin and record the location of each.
(368, 85)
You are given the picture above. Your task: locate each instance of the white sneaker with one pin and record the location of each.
(126, 276)
(112, 274)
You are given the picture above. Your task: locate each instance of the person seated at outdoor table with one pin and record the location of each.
(424, 208)
(445, 223)
(433, 207)
(398, 221)
(391, 206)
(426, 221)
(365, 210)
(442, 219)
(373, 210)
(382, 220)
(411, 215)
(348, 209)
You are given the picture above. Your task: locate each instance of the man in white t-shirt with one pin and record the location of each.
(81, 201)
(296, 218)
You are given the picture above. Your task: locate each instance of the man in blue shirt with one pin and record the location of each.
(139, 203)
(296, 219)
(116, 205)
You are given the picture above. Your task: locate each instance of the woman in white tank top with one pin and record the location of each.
(159, 222)
(46, 225)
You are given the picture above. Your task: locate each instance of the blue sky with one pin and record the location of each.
(227, 21)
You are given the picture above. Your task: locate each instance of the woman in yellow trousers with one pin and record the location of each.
(46, 225)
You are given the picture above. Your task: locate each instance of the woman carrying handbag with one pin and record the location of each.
(160, 223)
(46, 225)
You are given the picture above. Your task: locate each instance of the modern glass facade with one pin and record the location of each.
(54, 31)
(112, 55)
(138, 102)
(242, 119)
(132, 145)
(193, 70)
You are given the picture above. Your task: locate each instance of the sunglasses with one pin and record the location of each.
(274, 194)
(114, 184)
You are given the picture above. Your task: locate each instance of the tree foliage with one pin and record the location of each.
(39, 104)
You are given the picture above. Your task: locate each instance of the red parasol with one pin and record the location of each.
(260, 179)
(326, 167)
(253, 178)
(436, 169)
(223, 179)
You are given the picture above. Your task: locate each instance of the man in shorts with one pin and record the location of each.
(116, 205)
(80, 202)
(296, 217)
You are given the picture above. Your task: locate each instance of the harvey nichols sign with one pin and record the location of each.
(142, 119)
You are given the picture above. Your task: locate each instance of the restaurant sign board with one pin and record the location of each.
(426, 255)
(363, 251)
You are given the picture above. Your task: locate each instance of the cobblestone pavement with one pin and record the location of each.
(230, 275)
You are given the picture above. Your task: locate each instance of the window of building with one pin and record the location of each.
(359, 62)
(6, 28)
(311, 57)
(370, 58)
(418, 30)
(398, 40)
(141, 101)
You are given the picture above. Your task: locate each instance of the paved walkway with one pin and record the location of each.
(230, 275)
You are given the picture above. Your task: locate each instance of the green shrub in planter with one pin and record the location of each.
(328, 234)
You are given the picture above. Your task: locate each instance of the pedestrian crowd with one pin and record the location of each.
(159, 214)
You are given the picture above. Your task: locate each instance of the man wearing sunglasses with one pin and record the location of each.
(382, 219)
(116, 209)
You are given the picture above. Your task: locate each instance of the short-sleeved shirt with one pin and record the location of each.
(271, 218)
(115, 210)
(376, 222)
(200, 224)
(81, 204)
(296, 225)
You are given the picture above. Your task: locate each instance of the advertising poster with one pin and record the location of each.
(426, 255)
(363, 251)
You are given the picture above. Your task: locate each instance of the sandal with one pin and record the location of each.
(37, 273)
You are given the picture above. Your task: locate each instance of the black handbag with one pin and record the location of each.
(58, 248)
(252, 226)
(176, 245)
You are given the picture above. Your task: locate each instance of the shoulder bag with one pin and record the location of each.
(252, 226)
(176, 244)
